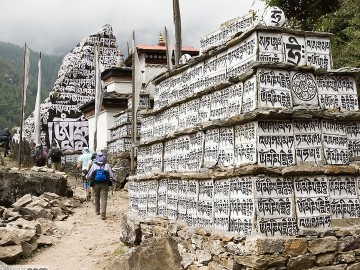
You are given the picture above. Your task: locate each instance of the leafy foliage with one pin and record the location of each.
(305, 13)
(11, 81)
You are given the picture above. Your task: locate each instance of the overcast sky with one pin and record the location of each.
(57, 26)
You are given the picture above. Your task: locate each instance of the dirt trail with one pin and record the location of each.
(87, 242)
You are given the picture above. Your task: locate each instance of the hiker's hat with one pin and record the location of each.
(100, 157)
(85, 150)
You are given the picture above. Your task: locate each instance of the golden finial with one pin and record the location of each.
(161, 40)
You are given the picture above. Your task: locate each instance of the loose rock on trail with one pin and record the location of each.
(84, 241)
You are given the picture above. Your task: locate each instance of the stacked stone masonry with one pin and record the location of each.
(257, 135)
(332, 249)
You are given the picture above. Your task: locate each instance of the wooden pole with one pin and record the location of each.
(22, 114)
(133, 113)
(177, 23)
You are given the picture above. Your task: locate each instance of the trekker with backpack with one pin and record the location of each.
(100, 175)
(40, 155)
(55, 155)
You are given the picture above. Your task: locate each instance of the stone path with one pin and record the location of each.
(85, 241)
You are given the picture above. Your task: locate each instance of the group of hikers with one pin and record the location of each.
(98, 176)
(96, 172)
(41, 155)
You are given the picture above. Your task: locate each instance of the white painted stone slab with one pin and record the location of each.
(235, 100)
(314, 222)
(275, 143)
(353, 136)
(275, 187)
(250, 97)
(242, 226)
(242, 187)
(345, 208)
(303, 89)
(311, 186)
(275, 207)
(294, 50)
(271, 227)
(312, 206)
(342, 186)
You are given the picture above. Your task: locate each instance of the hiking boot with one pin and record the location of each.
(97, 212)
(103, 217)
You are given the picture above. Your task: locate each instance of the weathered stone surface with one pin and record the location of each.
(45, 240)
(324, 259)
(346, 257)
(39, 202)
(187, 259)
(29, 247)
(159, 231)
(330, 267)
(130, 232)
(202, 256)
(47, 226)
(349, 243)
(11, 236)
(213, 247)
(23, 201)
(295, 246)
(26, 224)
(10, 254)
(323, 245)
(261, 262)
(355, 266)
(236, 249)
(121, 169)
(34, 212)
(152, 254)
(15, 184)
(260, 246)
(301, 262)
(197, 240)
(172, 228)
(10, 214)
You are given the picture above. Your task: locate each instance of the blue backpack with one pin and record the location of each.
(101, 175)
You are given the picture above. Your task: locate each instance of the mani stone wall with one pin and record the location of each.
(257, 136)
(209, 249)
(61, 118)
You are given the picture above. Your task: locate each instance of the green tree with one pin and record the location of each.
(304, 14)
(344, 23)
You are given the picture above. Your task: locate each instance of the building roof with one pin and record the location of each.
(163, 48)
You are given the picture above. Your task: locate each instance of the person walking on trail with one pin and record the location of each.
(101, 176)
(5, 138)
(82, 165)
(88, 166)
(40, 155)
(55, 155)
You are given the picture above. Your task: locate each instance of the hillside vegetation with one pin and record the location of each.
(11, 81)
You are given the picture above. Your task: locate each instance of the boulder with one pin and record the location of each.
(31, 213)
(25, 224)
(16, 184)
(29, 247)
(153, 254)
(15, 236)
(10, 254)
(23, 201)
(130, 231)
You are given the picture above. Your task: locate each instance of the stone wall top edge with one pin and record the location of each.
(237, 38)
(246, 170)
